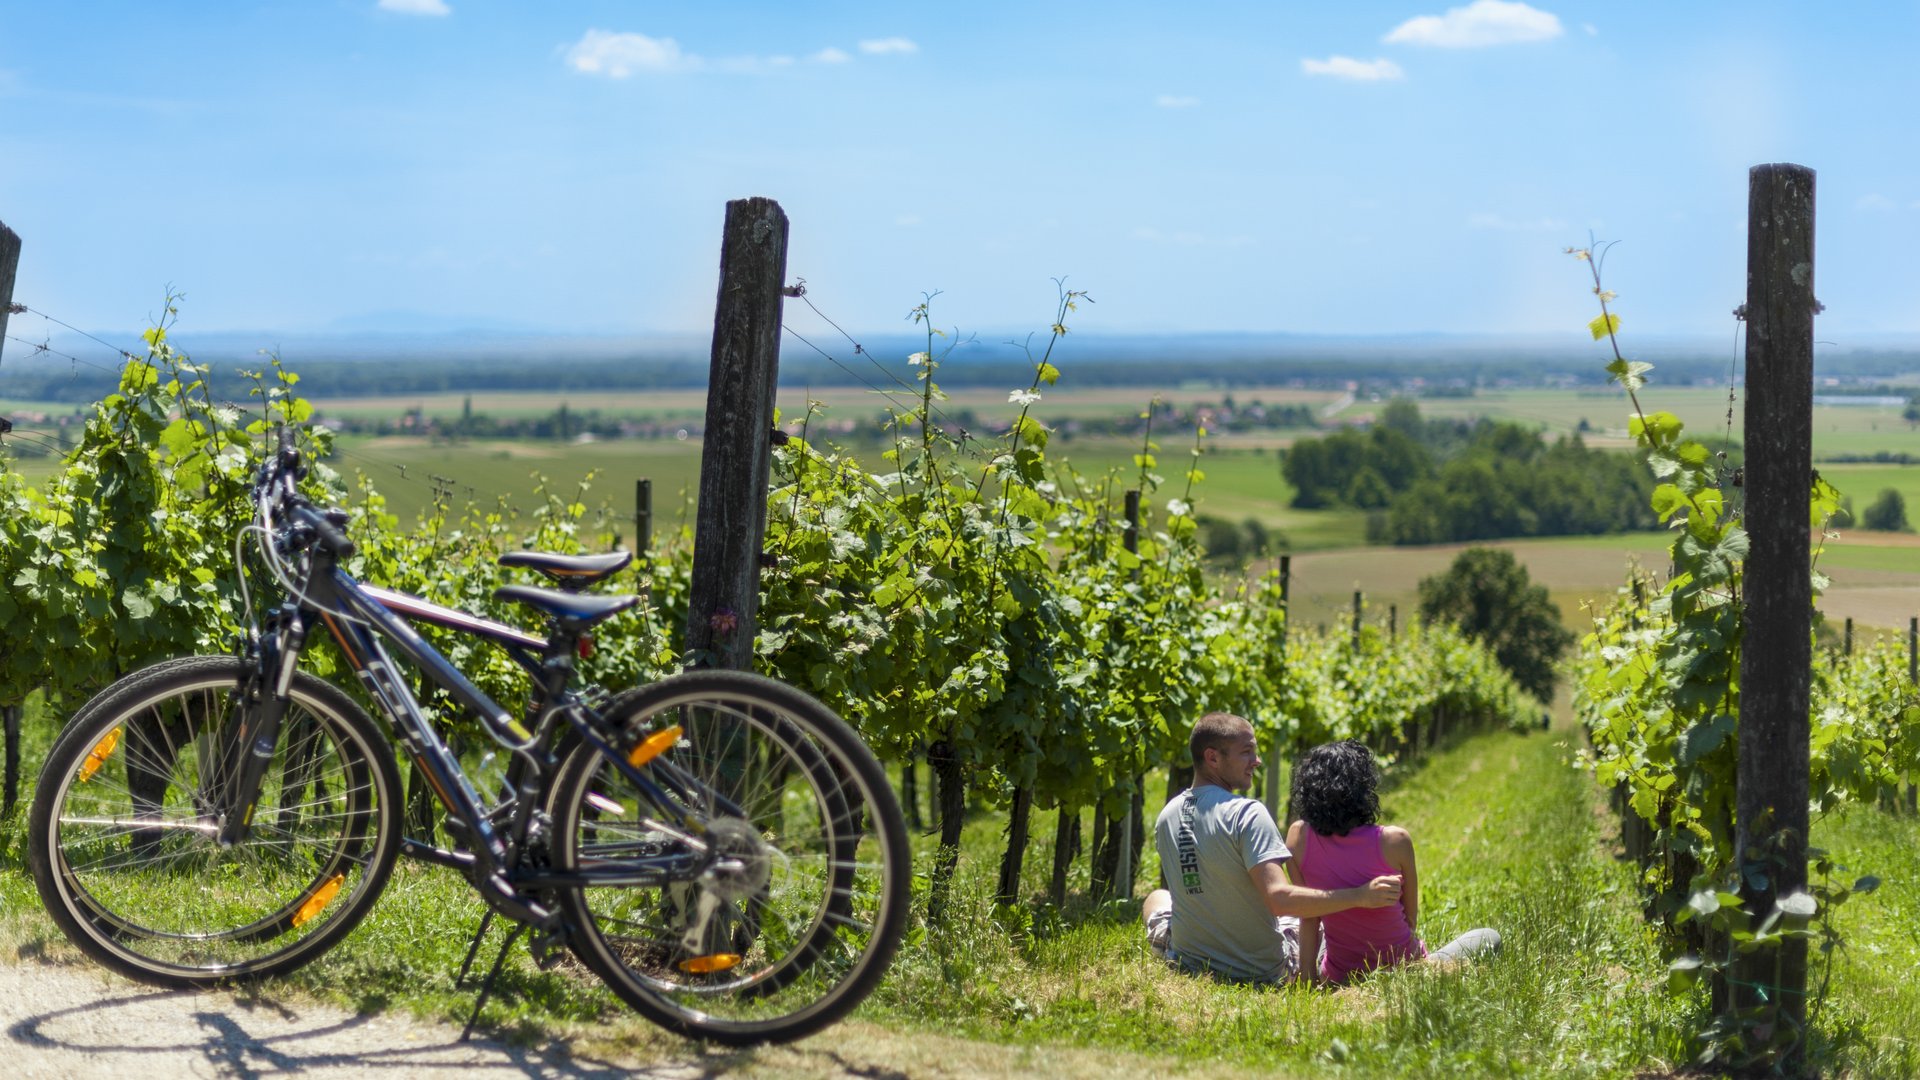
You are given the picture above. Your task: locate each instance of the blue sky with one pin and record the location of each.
(1318, 168)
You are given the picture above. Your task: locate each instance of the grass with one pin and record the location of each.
(1875, 997)
(1510, 836)
(1507, 834)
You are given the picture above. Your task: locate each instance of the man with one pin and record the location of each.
(1230, 909)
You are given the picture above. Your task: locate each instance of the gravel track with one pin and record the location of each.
(64, 1021)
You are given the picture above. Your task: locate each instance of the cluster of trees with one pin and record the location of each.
(1888, 513)
(1433, 481)
(562, 423)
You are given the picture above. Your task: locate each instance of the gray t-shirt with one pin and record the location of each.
(1208, 839)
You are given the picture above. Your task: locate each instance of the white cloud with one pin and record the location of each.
(617, 56)
(907, 221)
(830, 55)
(1346, 67)
(1502, 223)
(1591, 30)
(1175, 101)
(883, 46)
(1483, 22)
(1874, 201)
(416, 7)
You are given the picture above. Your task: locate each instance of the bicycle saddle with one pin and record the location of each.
(567, 606)
(570, 572)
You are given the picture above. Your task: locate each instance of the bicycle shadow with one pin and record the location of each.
(173, 1032)
(65, 1019)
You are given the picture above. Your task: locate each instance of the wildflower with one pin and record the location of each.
(1023, 398)
(1179, 507)
(918, 359)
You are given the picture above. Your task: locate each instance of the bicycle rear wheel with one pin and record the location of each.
(796, 921)
(123, 828)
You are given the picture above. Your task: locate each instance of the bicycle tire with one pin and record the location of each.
(122, 845)
(797, 936)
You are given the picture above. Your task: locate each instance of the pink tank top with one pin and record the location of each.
(1357, 939)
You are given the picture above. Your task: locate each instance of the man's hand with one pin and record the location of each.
(1383, 891)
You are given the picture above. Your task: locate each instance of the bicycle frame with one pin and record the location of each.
(364, 619)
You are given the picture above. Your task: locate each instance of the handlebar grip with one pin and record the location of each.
(328, 533)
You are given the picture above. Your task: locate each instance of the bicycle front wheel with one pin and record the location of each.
(784, 907)
(123, 831)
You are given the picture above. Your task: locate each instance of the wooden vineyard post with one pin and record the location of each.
(731, 521)
(1359, 599)
(642, 517)
(10, 715)
(1123, 873)
(9, 263)
(1770, 844)
(1277, 804)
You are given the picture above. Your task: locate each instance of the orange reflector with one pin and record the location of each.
(653, 746)
(318, 902)
(98, 756)
(707, 965)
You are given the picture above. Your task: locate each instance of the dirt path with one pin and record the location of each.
(63, 1021)
(77, 1023)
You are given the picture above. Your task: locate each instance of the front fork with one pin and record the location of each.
(255, 726)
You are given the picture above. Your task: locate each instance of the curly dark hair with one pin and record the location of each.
(1334, 788)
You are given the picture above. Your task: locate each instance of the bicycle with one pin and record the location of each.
(718, 848)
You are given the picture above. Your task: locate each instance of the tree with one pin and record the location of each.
(1492, 599)
(1888, 513)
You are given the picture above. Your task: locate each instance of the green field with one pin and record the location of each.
(1837, 429)
(1876, 578)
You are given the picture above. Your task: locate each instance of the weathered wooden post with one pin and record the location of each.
(731, 522)
(1358, 601)
(1913, 677)
(1846, 648)
(642, 517)
(9, 262)
(1771, 813)
(10, 713)
(1279, 803)
(1129, 850)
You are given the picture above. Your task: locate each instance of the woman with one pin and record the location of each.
(1338, 843)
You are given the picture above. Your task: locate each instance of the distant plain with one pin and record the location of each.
(1876, 576)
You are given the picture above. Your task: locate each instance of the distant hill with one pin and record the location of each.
(411, 363)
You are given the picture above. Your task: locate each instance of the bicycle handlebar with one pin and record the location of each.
(275, 489)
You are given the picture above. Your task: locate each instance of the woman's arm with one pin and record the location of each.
(1310, 949)
(1294, 840)
(1396, 847)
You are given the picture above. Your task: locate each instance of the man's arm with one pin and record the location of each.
(1285, 898)
(1309, 926)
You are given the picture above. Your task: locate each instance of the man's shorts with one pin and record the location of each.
(1160, 935)
(1160, 940)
